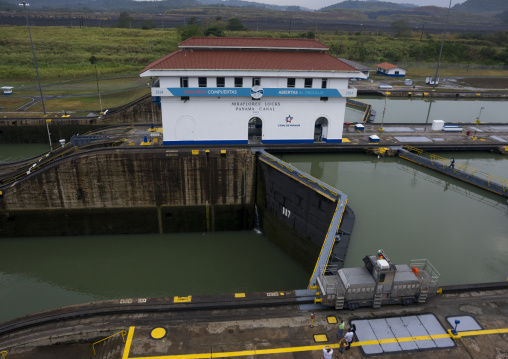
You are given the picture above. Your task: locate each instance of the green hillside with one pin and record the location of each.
(489, 6)
(369, 5)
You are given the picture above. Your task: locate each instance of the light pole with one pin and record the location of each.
(478, 121)
(93, 60)
(442, 43)
(25, 4)
(384, 110)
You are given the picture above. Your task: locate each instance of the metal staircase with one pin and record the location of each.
(424, 292)
(378, 297)
(339, 302)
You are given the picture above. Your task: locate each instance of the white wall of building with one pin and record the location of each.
(207, 120)
(395, 72)
(204, 119)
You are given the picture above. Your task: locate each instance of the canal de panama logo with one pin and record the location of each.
(289, 119)
(256, 92)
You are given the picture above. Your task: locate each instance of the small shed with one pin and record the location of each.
(7, 90)
(391, 70)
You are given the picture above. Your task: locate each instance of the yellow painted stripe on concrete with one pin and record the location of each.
(483, 332)
(239, 295)
(128, 343)
(302, 348)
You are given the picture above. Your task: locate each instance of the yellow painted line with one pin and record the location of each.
(333, 241)
(130, 335)
(239, 295)
(483, 332)
(344, 140)
(128, 343)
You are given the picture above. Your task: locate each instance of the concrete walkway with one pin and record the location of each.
(265, 332)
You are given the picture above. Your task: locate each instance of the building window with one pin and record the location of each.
(184, 82)
(256, 81)
(291, 82)
(202, 81)
(220, 81)
(324, 83)
(308, 83)
(396, 72)
(238, 81)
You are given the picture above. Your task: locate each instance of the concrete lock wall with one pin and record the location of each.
(294, 216)
(31, 130)
(135, 191)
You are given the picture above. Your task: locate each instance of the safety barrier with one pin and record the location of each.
(469, 171)
(123, 332)
(50, 158)
(38, 164)
(4, 353)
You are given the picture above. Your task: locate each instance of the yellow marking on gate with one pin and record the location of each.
(183, 299)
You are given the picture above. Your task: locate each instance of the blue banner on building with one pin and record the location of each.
(241, 91)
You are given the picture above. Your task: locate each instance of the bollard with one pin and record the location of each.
(312, 316)
(454, 331)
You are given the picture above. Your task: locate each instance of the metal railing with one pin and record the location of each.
(123, 332)
(427, 267)
(39, 164)
(457, 167)
(4, 353)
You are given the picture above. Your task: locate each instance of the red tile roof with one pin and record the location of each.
(388, 66)
(249, 60)
(252, 42)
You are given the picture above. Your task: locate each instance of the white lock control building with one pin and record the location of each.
(220, 90)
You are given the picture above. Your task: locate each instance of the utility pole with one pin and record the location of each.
(442, 42)
(93, 60)
(25, 4)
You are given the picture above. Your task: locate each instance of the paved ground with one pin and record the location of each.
(267, 332)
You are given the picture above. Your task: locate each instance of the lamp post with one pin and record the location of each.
(478, 121)
(442, 43)
(93, 61)
(25, 4)
(384, 110)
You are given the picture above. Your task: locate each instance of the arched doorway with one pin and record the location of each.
(185, 128)
(321, 129)
(255, 130)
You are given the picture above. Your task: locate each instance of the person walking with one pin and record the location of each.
(341, 328)
(342, 346)
(327, 352)
(452, 163)
(349, 339)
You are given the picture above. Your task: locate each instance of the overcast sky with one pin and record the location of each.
(317, 4)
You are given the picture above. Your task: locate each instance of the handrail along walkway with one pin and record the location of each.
(465, 173)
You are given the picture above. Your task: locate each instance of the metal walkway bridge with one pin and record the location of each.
(461, 172)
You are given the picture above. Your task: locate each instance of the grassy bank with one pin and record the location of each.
(63, 53)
